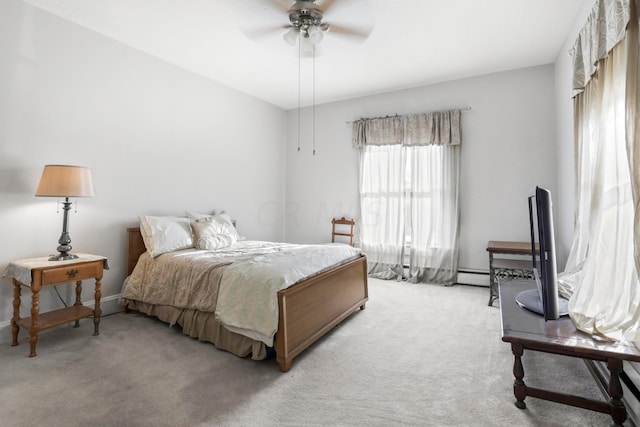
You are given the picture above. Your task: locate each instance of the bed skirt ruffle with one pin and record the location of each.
(202, 326)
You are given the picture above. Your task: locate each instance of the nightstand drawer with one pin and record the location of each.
(71, 273)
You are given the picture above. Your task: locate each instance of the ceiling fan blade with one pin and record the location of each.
(327, 5)
(338, 29)
(255, 33)
(282, 5)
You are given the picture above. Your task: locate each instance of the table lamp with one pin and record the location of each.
(65, 181)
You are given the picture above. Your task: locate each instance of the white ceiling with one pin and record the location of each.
(411, 43)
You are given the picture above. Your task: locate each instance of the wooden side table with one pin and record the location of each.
(506, 268)
(37, 273)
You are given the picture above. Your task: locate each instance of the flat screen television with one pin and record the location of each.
(543, 299)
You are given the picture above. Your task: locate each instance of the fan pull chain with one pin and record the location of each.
(299, 71)
(313, 128)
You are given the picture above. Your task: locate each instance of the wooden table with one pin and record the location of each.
(37, 273)
(528, 331)
(507, 268)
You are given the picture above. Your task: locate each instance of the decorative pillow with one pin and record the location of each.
(210, 234)
(222, 218)
(165, 234)
(198, 215)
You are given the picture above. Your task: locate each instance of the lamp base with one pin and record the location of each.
(64, 240)
(62, 257)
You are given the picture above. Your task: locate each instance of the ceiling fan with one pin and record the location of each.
(306, 21)
(306, 28)
(350, 18)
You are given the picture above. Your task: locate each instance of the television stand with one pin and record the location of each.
(529, 331)
(530, 300)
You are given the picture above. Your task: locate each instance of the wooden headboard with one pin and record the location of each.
(135, 247)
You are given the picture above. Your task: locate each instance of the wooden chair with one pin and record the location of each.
(342, 223)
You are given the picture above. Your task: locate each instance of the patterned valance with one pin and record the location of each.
(378, 131)
(605, 27)
(435, 128)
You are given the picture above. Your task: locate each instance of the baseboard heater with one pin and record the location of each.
(467, 276)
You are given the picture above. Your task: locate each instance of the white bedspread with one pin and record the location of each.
(252, 284)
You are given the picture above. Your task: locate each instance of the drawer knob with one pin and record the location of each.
(72, 273)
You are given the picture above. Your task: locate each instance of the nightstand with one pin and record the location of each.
(36, 273)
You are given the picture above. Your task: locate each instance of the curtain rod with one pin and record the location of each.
(397, 115)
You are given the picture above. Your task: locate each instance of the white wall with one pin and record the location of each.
(508, 147)
(158, 139)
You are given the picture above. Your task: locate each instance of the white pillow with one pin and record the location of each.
(198, 215)
(223, 219)
(165, 234)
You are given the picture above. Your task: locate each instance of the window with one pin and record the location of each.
(409, 208)
(601, 274)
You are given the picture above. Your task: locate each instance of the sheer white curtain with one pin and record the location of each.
(381, 205)
(601, 275)
(409, 169)
(434, 213)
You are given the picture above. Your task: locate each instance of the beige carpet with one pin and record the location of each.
(419, 355)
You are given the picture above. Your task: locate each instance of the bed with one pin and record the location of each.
(306, 310)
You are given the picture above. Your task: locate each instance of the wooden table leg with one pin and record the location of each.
(78, 300)
(519, 387)
(35, 311)
(16, 313)
(97, 311)
(618, 411)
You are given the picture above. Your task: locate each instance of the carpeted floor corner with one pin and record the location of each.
(419, 355)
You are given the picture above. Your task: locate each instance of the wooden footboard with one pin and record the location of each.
(311, 308)
(307, 310)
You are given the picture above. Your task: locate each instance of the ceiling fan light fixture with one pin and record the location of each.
(291, 36)
(315, 34)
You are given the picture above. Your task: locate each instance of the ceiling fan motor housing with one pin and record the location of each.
(305, 14)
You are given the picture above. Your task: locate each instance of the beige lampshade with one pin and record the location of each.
(65, 181)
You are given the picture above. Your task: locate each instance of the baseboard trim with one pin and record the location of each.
(108, 305)
(473, 277)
